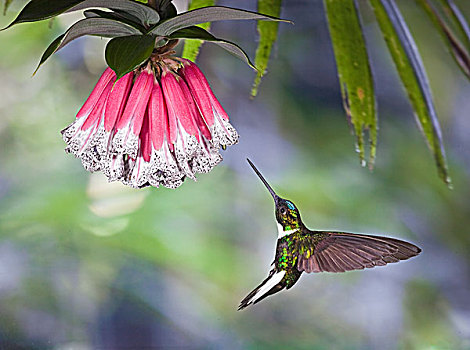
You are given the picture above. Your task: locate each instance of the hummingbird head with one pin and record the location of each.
(287, 213)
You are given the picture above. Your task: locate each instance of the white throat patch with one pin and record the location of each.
(281, 233)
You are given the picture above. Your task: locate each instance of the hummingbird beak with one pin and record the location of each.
(275, 196)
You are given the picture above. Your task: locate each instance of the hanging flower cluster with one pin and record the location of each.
(152, 118)
(155, 126)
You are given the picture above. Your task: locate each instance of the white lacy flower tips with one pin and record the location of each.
(155, 126)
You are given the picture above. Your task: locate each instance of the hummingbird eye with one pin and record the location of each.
(283, 211)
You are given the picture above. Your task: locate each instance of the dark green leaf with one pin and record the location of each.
(117, 16)
(93, 13)
(202, 34)
(127, 16)
(192, 47)
(267, 36)
(206, 14)
(126, 53)
(457, 16)
(461, 19)
(49, 51)
(355, 77)
(89, 26)
(413, 76)
(147, 14)
(459, 51)
(166, 9)
(38, 10)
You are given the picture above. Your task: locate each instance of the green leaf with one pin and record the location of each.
(38, 10)
(6, 6)
(192, 47)
(146, 14)
(126, 53)
(199, 33)
(49, 51)
(355, 77)
(457, 17)
(89, 26)
(166, 9)
(460, 52)
(413, 76)
(460, 19)
(206, 14)
(267, 36)
(117, 16)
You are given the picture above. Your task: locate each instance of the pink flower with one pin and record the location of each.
(214, 115)
(127, 128)
(80, 135)
(155, 126)
(112, 164)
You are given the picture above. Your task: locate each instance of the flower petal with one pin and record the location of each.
(223, 133)
(145, 143)
(212, 111)
(100, 86)
(84, 133)
(176, 105)
(114, 166)
(199, 88)
(125, 141)
(158, 117)
(117, 100)
(138, 174)
(196, 115)
(164, 169)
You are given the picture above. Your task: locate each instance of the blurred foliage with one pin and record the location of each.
(86, 265)
(7, 4)
(192, 47)
(453, 27)
(268, 32)
(412, 73)
(354, 73)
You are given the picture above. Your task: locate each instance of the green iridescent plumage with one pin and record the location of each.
(302, 250)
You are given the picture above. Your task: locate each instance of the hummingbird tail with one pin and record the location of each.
(269, 286)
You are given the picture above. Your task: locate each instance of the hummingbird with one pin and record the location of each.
(301, 250)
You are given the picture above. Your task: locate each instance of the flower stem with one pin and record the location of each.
(168, 46)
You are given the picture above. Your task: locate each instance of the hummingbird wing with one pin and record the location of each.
(340, 251)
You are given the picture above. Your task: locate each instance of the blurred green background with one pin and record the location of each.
(89, 265)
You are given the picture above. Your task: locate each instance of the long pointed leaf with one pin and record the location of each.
(195, 32)
(459, 51)
(117, 16)
(148, 15)
(124, 54)
(355, 77)
(49, 51)
(459, 19)
(38, 10)
(413, 76)
(166, 9)
(267, 36)
(191, 47)
(89, 26)
(206, 14)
